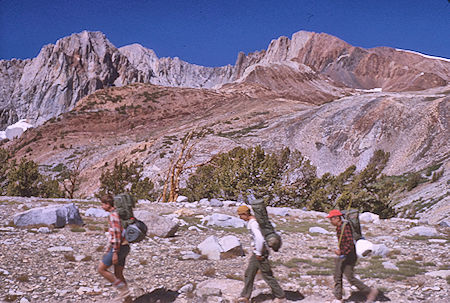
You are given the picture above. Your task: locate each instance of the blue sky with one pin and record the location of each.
(211, 33)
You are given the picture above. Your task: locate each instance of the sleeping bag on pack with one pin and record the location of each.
(273, 239)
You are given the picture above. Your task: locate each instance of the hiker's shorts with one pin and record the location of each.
(123, 253)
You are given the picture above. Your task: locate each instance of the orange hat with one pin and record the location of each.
(243, 209)
(334, 213)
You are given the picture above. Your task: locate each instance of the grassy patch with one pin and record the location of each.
(69, 257)
(407, 268)
(234, 277)
(243, 132)
(23, 278)
(77, 229)
(209, 272)
(318, 272)
(300, 227)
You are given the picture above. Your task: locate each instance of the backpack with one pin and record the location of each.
(124, 204)
(273, 239)
(134, 230)
(351, 217)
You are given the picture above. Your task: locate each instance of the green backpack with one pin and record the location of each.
(273, 239)
(351, 217)
(124, 204)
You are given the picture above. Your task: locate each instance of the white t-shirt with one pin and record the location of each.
(258, 241)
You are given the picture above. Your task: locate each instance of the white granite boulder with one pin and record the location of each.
(215, 203)
(216, 249)
(57, 215)
(421, 231)
(369, 218)
(223, 220)
(229, 288)
(182, 199)
(278, 211)
(157, 225)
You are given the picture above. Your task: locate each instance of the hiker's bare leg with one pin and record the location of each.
(118, 272)
(103, 270)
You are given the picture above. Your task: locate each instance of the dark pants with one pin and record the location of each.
(250, 273)
(123, 253)
(345, 266)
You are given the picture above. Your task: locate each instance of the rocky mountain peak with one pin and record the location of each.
(309, 67)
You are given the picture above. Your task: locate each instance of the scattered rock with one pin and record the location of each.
(60, 249)
(439, 273)
(186, 288)
(44, 230)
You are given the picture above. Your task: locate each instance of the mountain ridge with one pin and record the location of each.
(52, 83)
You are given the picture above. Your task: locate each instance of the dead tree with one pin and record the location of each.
(71, 177)
(176, 169)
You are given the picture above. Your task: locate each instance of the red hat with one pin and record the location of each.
(334, 213)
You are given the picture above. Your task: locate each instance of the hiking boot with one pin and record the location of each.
(119, 284)
(372, 295)
(242, 300)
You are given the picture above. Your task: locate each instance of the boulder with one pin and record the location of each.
(420, 231)
(96, 212)
(57, 215)
(231, 247)
(182, 199)
(363, 248)
(215, 203)
(223, 248)
(445, 223)
(390, 265)
(369, 218)
(379, 250)
(230, 289)
(204, 202)
(211, 248)
(60, 249)
(157, 225)
(319, 230)
(223, 220)
(278, 211)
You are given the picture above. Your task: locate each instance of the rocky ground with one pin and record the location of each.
(40, 264)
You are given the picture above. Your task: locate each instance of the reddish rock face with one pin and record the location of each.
(382, 67)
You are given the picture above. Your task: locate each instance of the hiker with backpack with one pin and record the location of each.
(117, 251)
(346, 258)
(258, 261)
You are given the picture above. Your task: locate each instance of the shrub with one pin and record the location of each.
(125, 177)
(287, 178)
